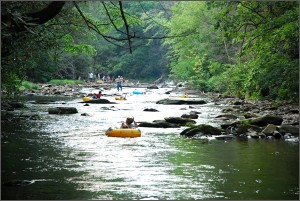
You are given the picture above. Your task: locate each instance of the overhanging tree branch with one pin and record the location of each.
(95, 28)
(127, 34)
(252, 10)
(111, 20)
(18, 22)
(126, 26)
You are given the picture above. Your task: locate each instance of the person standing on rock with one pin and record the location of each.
(104, 78)
(119, 83)
(91, 77)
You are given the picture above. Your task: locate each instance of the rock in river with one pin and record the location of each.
(98, 101)
(265, 120)
(179, 120)
(289, 129)
(190, 116)
(150, 110)
(62, 110)
(269, 130)
(158, 124)
(202, 128)
(180, 102)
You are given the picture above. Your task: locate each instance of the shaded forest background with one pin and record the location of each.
(246, 49)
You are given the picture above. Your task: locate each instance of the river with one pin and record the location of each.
(69, 156)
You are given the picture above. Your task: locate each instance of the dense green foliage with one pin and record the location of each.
(248, 49)
(67, 47)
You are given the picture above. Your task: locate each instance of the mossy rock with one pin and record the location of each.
(265, 120)
(203, 128)
(249, 115)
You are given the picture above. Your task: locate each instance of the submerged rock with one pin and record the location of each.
(158, 124)
(150, 110)
(42, 101)
(224, 137)
(18, 183)
(179, 120)
(180, 102)
(16, 104)
(62, 110)
(190, 116)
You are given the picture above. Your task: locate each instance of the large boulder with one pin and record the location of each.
(150, 110)
(289, 129)
(190, 116)
(62, 110)
(180, 102)
(179, 120)
(202, 129)
(158, 124)
(152, 87)
(265, 120)
(98, 101)
(229, 125)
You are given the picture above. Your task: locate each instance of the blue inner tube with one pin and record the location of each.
(137, 92)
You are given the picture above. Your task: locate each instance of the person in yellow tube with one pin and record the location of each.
(129, 123)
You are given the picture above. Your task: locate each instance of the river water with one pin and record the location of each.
(69, 156)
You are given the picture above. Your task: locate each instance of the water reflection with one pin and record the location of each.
(69, 157)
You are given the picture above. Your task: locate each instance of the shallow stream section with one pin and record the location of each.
(69, 156)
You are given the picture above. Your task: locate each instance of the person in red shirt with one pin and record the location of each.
(99, 95)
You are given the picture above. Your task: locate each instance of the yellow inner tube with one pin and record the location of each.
(86, 99)
(119, 132)
(184, 96)
(120, 98)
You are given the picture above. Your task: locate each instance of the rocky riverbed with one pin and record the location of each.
(258, 119)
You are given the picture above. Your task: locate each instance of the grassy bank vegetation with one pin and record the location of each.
(65, 82)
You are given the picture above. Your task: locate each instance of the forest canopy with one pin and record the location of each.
(244, 48)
